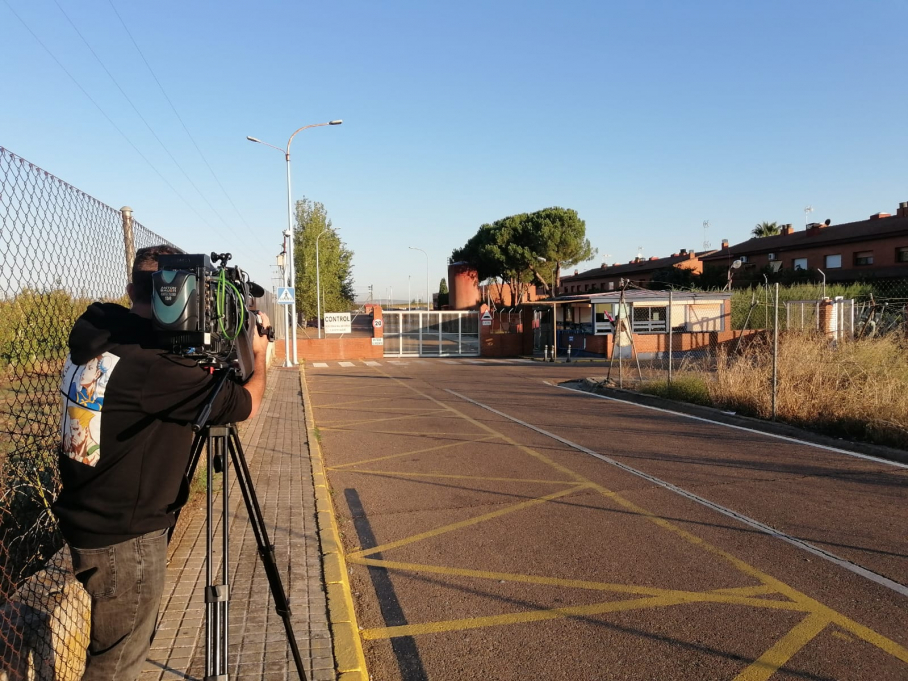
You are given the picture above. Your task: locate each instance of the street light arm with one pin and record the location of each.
(255, 139)
(306, 127)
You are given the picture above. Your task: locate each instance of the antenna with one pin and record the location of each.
(705, 241)
(639, 251)
(807, 209)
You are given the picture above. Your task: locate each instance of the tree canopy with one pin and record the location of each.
(766, 229)
(335, 262)
(528, 248)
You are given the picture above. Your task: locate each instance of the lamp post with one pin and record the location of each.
(413, 248)
(292, 263)
(735, 265)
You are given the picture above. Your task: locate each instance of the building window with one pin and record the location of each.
(611, 284)
(833, 261)
(587, 288)
(863, 258)
(901, 254)
(604, 318)
(799, 264)
(649, 319)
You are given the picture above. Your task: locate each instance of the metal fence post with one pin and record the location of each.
(129, 241)
(775, 354)
(668, 319)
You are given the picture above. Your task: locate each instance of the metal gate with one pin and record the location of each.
(431, 334)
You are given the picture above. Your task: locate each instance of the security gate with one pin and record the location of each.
(431, 334)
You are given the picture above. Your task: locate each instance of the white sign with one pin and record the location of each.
(487, 323)
(486, 316)
(377, 323)
(285, 295)
(378, 341)
(337, 322)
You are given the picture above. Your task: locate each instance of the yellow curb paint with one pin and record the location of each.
(347, 649)
(334, 569)
(349, 658)
(446, 476)
(340, 608)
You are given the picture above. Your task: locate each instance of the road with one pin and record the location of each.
(500, 527)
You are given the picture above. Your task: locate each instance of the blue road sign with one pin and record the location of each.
(285, 295)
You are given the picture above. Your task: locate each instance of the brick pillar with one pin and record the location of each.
(827, 318)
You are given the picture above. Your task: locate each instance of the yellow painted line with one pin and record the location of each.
(518, 618)
(468, 522)
(347, 643)
(804, 602)
(683, 596)
(448, 476)
(409, 453)
(784, 649)
(747, 590)
(388, 419)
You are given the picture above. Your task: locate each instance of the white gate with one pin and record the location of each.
(431, 334)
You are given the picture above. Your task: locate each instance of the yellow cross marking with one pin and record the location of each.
(817, 616)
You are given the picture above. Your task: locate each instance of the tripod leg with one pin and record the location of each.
(265, 547)
(217, 595)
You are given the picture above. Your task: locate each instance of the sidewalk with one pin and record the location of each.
(277, 453)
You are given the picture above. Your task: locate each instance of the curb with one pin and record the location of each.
(713, 414)
(349, 659)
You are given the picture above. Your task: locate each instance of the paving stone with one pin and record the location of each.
(277, 454)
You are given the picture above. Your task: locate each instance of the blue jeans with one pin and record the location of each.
(125, 582)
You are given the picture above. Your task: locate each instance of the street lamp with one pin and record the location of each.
(541, 259)
(413, 248)
(734, 266)
(292, 263)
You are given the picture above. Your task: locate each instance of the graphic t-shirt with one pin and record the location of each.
(126, 437)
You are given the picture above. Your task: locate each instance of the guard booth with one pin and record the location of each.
(422, 333)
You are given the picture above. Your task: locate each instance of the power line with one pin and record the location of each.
(104, 113)
(179, 118)
(142, 118)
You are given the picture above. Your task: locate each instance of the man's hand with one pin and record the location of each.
(262, 336)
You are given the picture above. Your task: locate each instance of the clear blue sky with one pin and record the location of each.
(648, 118)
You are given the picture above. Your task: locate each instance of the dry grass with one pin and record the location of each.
(857, 390)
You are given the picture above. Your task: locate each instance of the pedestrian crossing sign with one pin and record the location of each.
(285, 295)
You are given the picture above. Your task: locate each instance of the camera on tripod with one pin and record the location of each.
(206, 311)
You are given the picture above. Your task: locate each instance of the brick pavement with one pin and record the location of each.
(277, 452)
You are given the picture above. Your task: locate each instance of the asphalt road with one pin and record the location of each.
(500, 527)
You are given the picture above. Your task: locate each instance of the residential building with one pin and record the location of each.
(639, 272)
(875, 248)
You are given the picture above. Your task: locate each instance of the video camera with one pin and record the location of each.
(207, 311)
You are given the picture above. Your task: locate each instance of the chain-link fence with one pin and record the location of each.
(826, 357)
(60, 249)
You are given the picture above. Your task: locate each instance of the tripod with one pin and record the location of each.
(219, 441)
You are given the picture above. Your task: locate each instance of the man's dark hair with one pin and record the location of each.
(146, 264)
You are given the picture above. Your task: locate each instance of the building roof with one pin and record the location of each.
(640, 265)
(637, 296)
(863, 230)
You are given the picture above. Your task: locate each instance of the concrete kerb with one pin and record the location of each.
(349, 658)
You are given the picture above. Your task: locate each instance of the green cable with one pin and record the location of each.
(220, 299)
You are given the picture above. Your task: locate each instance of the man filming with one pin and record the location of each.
(127, 410)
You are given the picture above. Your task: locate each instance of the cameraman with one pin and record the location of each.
(127, 409)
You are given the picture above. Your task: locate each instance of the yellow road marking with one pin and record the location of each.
(820, 615)
(447, 476)
(680, 595)
(784, 649)
(411, 452)
(515, 618)
(391, 418)
(467, 523)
